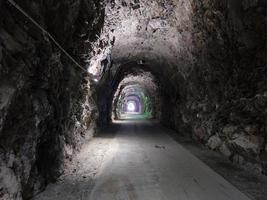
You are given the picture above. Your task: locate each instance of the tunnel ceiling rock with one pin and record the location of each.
(158, 32)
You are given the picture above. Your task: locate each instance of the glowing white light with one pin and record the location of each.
(94, 67)
(130, 107)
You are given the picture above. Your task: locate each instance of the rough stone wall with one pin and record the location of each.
(224, 104)
(46, 108)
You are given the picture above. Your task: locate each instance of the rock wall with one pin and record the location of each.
(46, 105)
(224, 104)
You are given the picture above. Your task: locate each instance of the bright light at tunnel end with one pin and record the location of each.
(130, 107)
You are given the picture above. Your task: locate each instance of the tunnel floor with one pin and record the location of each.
(138, 160)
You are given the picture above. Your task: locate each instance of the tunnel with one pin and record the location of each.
(133, 99)
(136, 97)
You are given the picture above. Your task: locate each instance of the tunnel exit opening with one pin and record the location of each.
(131, 107)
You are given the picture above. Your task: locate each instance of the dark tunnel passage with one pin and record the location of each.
(132, 81)
(133, 99)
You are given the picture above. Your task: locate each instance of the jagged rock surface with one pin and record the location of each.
(46, 109)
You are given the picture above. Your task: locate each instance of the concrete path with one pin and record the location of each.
(146, 164)
(143, 163)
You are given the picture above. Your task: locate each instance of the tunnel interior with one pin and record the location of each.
(136, 97)
(198, 67)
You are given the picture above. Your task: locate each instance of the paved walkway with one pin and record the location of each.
(141, 162)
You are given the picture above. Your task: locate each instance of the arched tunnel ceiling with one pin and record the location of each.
(145, 79)
(136, 85)
(156, 32)
(148, 28)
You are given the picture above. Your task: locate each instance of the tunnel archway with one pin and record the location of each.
(128, 76)
(163, 44)
(140, 88)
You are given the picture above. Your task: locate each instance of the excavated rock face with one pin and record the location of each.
(46, 108)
